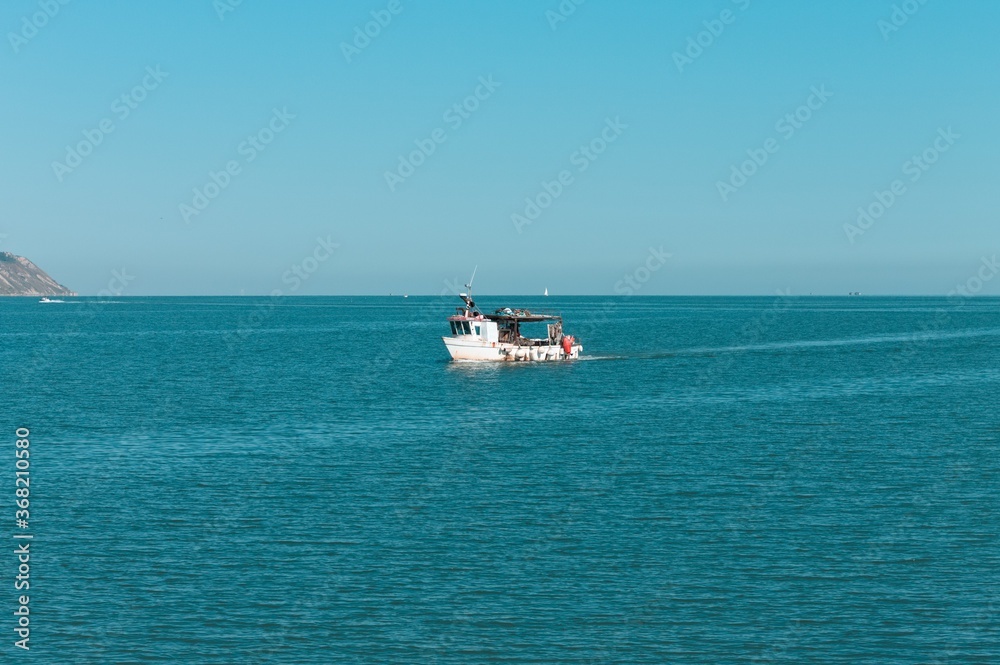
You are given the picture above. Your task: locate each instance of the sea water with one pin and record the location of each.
(310, 480)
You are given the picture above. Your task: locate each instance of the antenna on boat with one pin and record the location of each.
(472, 279)
(467, 297)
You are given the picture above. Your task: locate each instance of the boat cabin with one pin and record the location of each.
(504, 326)
(474, 327)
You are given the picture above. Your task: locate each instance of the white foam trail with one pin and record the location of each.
(852, 341)
(777, 346)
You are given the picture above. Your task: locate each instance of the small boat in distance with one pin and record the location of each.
(46, 299)
(546, 290)
(497, 336)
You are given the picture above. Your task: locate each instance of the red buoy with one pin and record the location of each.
(567, 343)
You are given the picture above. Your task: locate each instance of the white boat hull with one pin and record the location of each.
(478, 350)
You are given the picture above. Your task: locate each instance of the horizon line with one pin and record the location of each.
(513, 295)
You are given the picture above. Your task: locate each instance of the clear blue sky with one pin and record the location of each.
(656, 185)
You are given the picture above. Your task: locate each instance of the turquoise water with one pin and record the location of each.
(722, 480)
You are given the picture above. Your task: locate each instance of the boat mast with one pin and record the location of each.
(467, 297)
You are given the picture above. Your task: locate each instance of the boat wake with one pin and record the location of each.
(915, 337)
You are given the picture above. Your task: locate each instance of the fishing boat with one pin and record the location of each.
(498, 336)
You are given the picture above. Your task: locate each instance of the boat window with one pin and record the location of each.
(477, 330)
(468, 329)
(453, 331)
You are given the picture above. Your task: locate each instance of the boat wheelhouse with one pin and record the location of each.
(498, 336)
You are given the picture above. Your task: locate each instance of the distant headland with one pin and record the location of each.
(21, 277)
